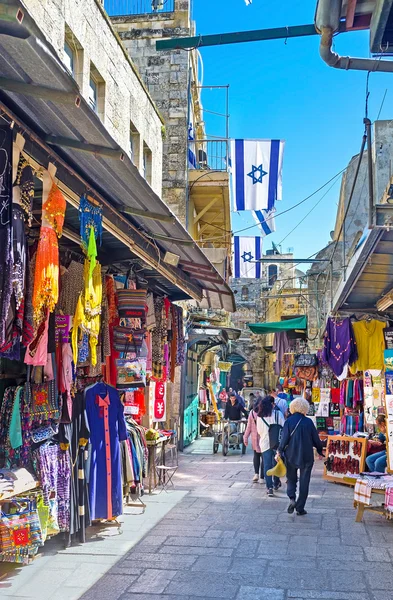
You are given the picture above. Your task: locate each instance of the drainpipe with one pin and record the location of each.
(327, 22)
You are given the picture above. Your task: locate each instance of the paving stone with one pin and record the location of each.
(300, 578)
(146, 561)
(218, 564)
(248, 592)
(272, 548)
(152, 581)
(195, 550)
(341, 552)
(377, 554)
(380, 579)
(346, 581)
(111, 587)
(201, 589)
(188, 541)
(327, 595)
(298, 547)
(246, 548)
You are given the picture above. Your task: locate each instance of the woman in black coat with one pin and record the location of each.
(298, 440)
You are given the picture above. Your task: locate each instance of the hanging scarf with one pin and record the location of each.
(90, 217)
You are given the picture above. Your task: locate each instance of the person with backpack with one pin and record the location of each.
(299, 438)
(269, 426)
(252, 431)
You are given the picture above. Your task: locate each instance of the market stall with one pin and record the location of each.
(83, 338)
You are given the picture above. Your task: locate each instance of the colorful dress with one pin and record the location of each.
(339, 345)
(107, 426)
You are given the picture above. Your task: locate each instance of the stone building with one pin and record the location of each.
(85, 41)
(167, 76)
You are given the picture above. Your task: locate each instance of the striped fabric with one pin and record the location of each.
(362, 492)
(131, 304)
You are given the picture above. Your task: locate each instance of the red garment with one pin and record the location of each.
(335, 395)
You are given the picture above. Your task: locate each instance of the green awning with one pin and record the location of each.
(288, 325)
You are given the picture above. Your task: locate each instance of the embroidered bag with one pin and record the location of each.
(20, 533)
(132, 304)
(127, 339)
(43, 401)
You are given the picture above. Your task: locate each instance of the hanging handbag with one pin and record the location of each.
(132, 304)
(43, 401)
(130, 373)
(45, 432)
(128, 339)
(20, 532)
(306, 360)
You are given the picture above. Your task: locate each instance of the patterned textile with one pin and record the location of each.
(71, 285)
(5, 225)
(28, 321)
(46, 278)
(90, 218)
(19, 253)
(25, 181)
(362, 492)
(389, 499)
(63, 489)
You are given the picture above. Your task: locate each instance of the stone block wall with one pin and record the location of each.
(166, 75)
(125, 97)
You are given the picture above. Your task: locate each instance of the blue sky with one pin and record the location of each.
(286, 91)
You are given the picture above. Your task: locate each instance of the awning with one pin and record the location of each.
(39, 91)
(277, 326)
(369, 274)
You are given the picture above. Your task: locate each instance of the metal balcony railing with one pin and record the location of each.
(117, 8)
(208, 155)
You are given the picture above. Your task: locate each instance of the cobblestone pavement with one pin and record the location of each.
(227, 539)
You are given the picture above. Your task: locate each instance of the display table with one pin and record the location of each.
(345, 458)
(367, 488)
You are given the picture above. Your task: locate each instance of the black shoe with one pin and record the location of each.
(277, 487)
(270, 493)
(291, 507)
(301, 512)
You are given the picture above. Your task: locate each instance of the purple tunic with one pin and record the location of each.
(107, 426)
(339, 345)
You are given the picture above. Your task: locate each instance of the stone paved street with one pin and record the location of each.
(226, 539)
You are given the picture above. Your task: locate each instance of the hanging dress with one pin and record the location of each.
(107, 426)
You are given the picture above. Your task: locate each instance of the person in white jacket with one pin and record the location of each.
(270, 422)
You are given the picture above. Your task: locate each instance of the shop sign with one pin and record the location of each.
(159, 404)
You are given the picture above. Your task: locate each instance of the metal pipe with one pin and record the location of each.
(371, 219)
(347, 62)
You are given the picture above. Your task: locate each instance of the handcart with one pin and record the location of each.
(230, 434)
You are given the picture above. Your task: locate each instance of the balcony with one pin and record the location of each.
(120, 8)
(208, 155)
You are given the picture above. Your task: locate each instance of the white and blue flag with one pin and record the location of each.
(256, 173)
(265, 221)
(247, 250)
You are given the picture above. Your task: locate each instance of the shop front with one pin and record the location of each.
(92, 338)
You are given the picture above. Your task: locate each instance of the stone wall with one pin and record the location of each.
(166, 75)
(125, 97)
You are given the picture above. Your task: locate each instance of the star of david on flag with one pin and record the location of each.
(256, 167)
(247, 250)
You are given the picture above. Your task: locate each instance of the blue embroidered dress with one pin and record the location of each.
(107, 426)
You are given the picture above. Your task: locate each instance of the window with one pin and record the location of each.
(244, 292)
(73, 56)
(97, 92)
(147, 163)
(272, 274)
(93, 93)
(69, 57)
(135, 141)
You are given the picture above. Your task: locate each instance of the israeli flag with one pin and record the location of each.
(256, 173)
(247, 250)
(265, 221)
